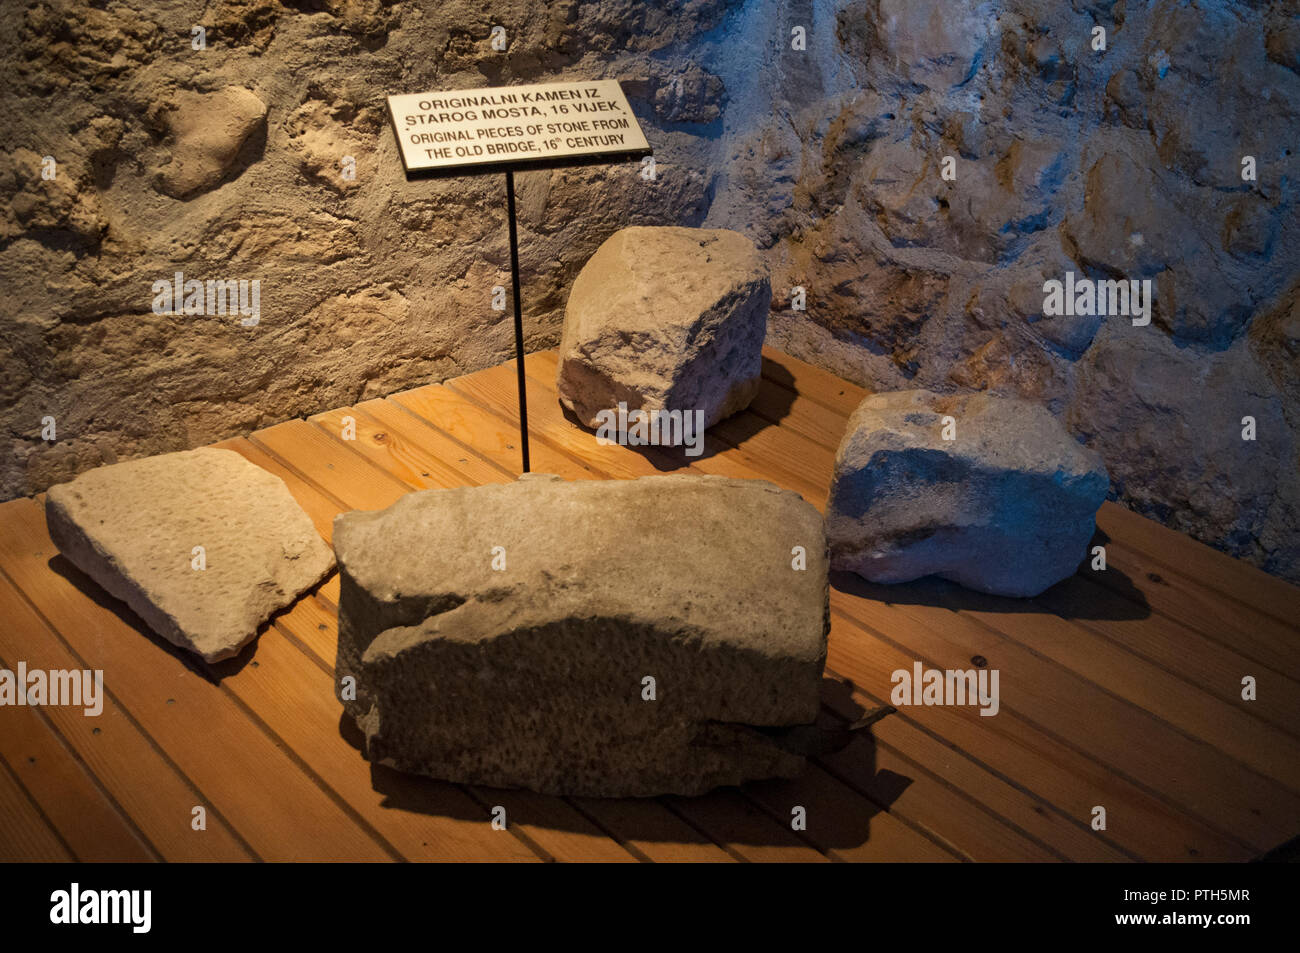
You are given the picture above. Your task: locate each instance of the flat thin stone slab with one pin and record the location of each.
(1007, 506)
(665, 318)
(134, 527)
(504, 634)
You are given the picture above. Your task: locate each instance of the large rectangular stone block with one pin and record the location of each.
(607, 638)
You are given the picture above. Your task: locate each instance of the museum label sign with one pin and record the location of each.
(515, 126)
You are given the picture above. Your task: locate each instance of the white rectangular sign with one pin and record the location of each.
(515, 125)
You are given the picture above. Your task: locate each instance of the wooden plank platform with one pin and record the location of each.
(1120, 689)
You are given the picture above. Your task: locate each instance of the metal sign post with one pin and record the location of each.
(515, 128)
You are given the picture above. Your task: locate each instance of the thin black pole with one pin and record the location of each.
(519, 315)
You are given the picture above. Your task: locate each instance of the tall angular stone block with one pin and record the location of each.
(669, 319)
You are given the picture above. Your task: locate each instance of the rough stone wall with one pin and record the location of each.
(224, 163)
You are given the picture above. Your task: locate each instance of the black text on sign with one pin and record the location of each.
(515, 125)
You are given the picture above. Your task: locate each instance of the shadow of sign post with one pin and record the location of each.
(509, 128)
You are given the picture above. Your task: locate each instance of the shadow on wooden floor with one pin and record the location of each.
(211, 672)
(1074, 598)
(741, 427)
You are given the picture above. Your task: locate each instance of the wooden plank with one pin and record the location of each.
(1033, 759)
(124, 760)
(492, 389)
(313, 623)
(1193, 776)
(556, 826)
(347, 476)
(787, 458)
(945, 815)
(251, 781)
(416, 453)
(800, 414)
(468, 421)
(1059, 777)
(746, 830)
(806, 379)
(85, 818)
(1239, 581)
(646, 827)
(1245, 630)
(851, 828)
(28, 837)
(1230, 728)
(1204, 664)
(903, 751)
